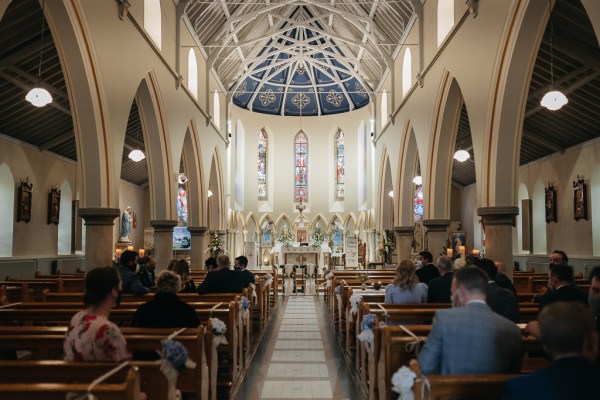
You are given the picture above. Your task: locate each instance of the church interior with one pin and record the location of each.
(372, 129)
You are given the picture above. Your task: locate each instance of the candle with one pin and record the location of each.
(476, 252)
(449, 252)
(130, 248)
(461, 250)
(141, 252)
(118, 252)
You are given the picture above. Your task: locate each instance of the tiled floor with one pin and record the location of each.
(299, 357)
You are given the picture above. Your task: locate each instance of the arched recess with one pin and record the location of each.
(335, 221)
(282, 221)
(386, 193)
(7, 210)
(100, 176)
(350, 224)
(362, 166)
(523, 195)
(158, 153)
(595, 205)
(319, 220)
(216, 202)
(538, 206)
(65, 221)
(502, 137)
(408, 166)
(240, 232)
(192, 158)
(439, 166)
(240, 162)
(253, 227)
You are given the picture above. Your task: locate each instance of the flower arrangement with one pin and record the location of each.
(268, 279)
(403, 381)
(218, 326)
(354, 300)
(368, 322)
(318, 237)
(285, 238)
(338, 290)
(363, 277)
(385, 244)
(245, 302)
(366, 335)
(216, 246)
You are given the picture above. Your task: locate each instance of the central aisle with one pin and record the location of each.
(299, 357)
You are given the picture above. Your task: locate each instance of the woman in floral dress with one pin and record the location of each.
(91, 336)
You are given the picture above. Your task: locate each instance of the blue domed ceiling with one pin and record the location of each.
(299, 57)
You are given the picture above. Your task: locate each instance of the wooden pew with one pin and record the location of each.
(473, 387)
(32, 290)
(151, 380)
(124, 385)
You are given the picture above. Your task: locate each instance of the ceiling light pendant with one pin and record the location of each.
(554, 99)
(461, 155)
(136, 155)
(418, 180)
(182, 179)
(38, 96)
(391, 194)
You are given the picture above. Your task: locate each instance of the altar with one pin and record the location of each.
(301, 255)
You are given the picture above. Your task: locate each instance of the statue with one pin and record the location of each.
(125, 225)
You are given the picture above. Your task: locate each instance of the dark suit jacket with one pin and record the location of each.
(222, 281)
(503, 302)
(248, 277)
(564, 293)
(131, 282)
(166, 310)
(189, 287)
(439, 289)
(427, 273)
(565, 379)
(146, 277)
(503, 281)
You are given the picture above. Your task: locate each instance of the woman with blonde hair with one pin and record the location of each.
(406, 287)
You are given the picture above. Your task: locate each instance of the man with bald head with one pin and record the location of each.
(502, 280)
(439, 288)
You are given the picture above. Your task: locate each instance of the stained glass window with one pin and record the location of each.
(339, 165)
(182, 205)
(263, 147)
(301, 167)
(418, 214)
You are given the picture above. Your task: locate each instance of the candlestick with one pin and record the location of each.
(118, 252)
(461, 250)
(141, 252)
(476, 252)
(450, 252)
(130, 248)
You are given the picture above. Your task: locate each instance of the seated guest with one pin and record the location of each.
(210, 264)
(406, 287)
(470, 338)
(131, 280)
(182, 268)
(146, 271)
(91, 336)
(562, 288)
(240, 263)
(222, 280)
(558, 257)
(439, 288)
(502, 280)
(569, 337)
(502, 301)
(166, 310)
(172, 264)
(428, 271)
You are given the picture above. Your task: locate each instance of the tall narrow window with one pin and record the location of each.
(406, 72)
(193, 73)
(263, 148)
(217, 110)
(339, 165)
(152, 20)
(301, 167)
(445, 19)
(384, 110)
(418, 205)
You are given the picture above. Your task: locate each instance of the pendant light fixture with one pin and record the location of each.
(136, 155)
(554, 99)
(418, 180)
(38, 96)
(461, 155)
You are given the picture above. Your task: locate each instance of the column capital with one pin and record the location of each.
(436, 225)
(404, 230)
(99, 216)
(163, 225)
(197, 230)
(498, 215)
(220, 232)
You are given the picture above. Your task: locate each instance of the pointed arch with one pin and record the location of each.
(386, 185)
(281, 220)
(252, 222)
(196, 186)
(335, 218)
(7, 210)
(350, 219)
(408, 165)
(265, 218)
(216, 202)
(319, 218)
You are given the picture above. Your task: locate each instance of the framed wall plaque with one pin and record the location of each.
(550, 193)
(24, 194)
(53, 206)
(579, 199)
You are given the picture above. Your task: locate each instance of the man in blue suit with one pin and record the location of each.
(569, 336)
(471, 338)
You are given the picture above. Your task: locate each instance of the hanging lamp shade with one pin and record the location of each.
(137, 155)
(461, 155)
(39, 97)
(418, 180)
(554, 100)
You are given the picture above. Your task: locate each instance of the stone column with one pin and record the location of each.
(498, 224)
(371, 246)
(99, 244)
(199, 246)
(163, 242)
(403, 241)
(437, 235)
